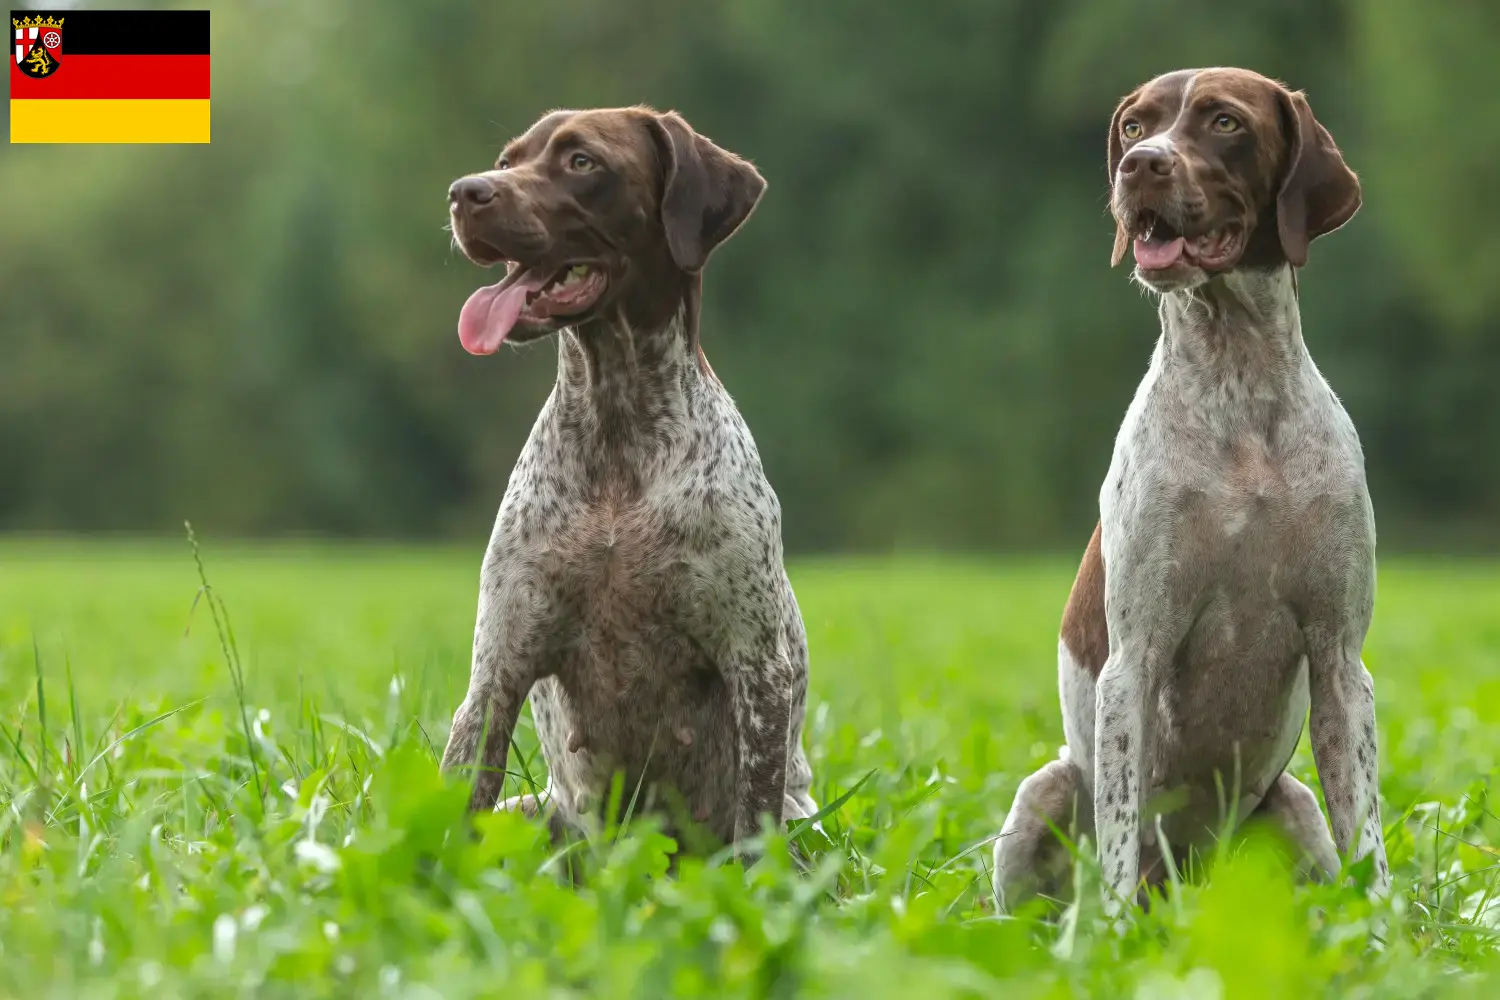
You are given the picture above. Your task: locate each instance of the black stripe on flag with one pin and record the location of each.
(128, 32)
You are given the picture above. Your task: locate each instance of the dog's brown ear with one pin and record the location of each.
(1318, 193)
(708, 193)
(1115, 155)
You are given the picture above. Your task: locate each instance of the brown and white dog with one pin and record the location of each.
(633, 587)
(1230, 583)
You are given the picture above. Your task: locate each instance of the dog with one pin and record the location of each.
(1228, 587)
(633, 586)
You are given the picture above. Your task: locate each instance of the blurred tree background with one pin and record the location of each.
(920, 322)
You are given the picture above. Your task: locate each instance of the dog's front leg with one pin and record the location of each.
(1122, 698)
(507, 640)
(760, 685)
(1344, 748)
(488, 715)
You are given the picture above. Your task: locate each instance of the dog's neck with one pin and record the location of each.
(624, 394)
(1237, 335)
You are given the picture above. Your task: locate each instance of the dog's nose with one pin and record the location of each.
(471, 191)
(1154, 159)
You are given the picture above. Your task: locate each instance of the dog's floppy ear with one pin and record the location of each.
(708, 191)
(1318, 193)
(1115, 155)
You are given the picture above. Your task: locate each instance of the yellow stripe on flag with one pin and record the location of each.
(108, 121)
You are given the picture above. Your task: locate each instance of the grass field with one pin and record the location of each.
(177, 820)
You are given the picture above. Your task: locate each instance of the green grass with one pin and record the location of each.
(161, 837)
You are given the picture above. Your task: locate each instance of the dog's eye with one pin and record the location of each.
(1132, 130)
(1226, 123)
(503, 163)
(581, 161)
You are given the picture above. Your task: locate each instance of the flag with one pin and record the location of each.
(109, 76)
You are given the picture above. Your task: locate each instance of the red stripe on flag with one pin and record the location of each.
(115, 77)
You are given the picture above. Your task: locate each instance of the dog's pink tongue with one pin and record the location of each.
(1154, 255)
(487, 318)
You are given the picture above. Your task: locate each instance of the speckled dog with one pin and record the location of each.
(633, 586)
(1235, 522)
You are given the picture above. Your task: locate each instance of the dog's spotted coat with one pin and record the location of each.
(1235, 522)
(633, 586)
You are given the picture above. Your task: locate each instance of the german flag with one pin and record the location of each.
(109, 76)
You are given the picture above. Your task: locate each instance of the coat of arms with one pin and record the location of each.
(38, 44)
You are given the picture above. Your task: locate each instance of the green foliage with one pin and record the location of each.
(919, 321)
(138, 858)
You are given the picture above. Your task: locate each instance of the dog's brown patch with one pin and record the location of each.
(1084, 629)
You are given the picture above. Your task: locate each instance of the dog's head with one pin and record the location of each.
(600, 212)
(1215, 169)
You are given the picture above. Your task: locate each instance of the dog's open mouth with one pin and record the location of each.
(534, 296)
(1160, 247)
